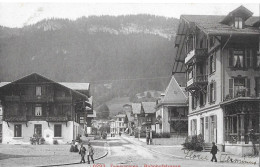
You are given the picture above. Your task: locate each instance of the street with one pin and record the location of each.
(123, 152)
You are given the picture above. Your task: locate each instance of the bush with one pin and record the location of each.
(55, 142)
(42, 140)
(194, 143)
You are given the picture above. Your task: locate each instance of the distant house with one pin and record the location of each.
(129, 120)
(172, 110)
(120, 125)
(138, 114)
(36, 105)
(149, 115)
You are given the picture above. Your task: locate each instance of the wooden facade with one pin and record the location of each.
(35, 99)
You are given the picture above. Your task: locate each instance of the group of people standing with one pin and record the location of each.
(90, 153)
(83, 151)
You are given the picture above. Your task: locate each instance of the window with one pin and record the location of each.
(257, 86)
(38, 91)
(211, 41)
(212, 92)
(120, 119)
(190, 73)
(194, 127)
(258, 60)
(194, 101)
(38, 111)
(202, 98)
(148, 119)
(212, 63)
(57, 130)
(18, 130)
(239, 87)
(238, 22)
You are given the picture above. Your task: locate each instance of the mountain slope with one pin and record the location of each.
(121, 52)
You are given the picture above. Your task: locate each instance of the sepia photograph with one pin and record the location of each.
(129, 84)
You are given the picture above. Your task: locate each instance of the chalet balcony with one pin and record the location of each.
(61, 118)
(147, 122)
(196, 55)
(27, 98)
(15, 118)
(197, 81)
(12, 98)
(63, 99)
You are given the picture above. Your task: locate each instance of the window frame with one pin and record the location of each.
(38, 91)
(55, 130)
(212, 63)
(238, 22)
(15, 130)
(39, 107)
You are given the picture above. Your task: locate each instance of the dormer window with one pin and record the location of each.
(238, 22)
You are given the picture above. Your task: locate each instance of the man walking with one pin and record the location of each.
(82, 152)
(214, 151)
(90, 153)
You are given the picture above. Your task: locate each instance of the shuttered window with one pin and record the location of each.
(212, 92)
(231, 87)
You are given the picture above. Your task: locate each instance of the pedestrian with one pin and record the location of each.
(90, 153)
(147, 137)
(214, 151)
(82, 152)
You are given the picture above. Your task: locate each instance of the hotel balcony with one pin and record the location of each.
(196, 55)
(197, 82)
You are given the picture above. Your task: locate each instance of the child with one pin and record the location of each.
(214, 151)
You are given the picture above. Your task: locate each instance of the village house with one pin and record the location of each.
(37, 106)
(172, 110)
(129, 119)
(222, 59)
(149, 115)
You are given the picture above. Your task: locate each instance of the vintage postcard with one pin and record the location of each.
(128, 84)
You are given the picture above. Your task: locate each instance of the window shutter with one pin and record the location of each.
(254, 54)
(209, 93)
(248, 87)
(231, 83)
(248, 58)
(215, 61)
(214, 90)
(230, 56)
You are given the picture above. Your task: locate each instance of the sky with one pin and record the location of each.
(19, 14)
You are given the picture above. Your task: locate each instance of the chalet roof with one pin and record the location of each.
(75, 85)
(129, 116)
(94, 115)
(174, 94)
(241, 10)
(3, 84)
(211, 24)
(136, 107)
(149, 107)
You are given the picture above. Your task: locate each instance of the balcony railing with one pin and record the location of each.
(198, 54)
(63, 99)
(198, 79)
(28, 98)
(15, 118)
(12, 98)
(178, 118)
(61, 118)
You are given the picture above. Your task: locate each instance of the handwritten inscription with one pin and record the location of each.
(190, 154)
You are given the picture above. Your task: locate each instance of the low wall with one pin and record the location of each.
(241, 149)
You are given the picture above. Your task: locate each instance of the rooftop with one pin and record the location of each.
(136, 107)
(149, 107)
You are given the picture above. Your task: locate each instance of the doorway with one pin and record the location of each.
(38, 130)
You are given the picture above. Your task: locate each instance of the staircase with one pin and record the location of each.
(207, 147)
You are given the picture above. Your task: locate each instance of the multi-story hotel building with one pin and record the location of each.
(221, 58)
